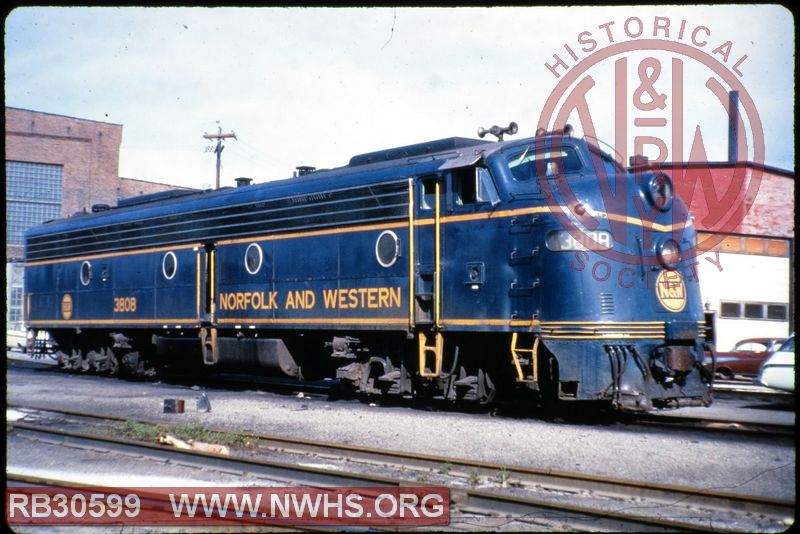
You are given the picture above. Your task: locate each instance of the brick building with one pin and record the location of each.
(57, 166)
(746, 262)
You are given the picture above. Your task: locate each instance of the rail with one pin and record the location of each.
(525, 492)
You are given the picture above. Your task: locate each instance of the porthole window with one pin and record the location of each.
(169, 266)
(86, 273)
(387, 248)
(253, 258)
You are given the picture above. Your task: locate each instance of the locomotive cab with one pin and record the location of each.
(619, 306)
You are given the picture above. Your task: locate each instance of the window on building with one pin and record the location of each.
(33, 196)
(776, 312)
(753, 311)
(15, 308)
(730, 309)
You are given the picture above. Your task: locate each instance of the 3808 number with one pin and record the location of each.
(125, 304)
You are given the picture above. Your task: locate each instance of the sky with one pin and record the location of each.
(315, 86)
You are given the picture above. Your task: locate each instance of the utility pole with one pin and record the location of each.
(218, 149)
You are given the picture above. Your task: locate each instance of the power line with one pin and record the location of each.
(250, 153)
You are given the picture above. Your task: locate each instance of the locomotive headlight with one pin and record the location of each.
(659, 191)
(669, 253)
(561, 240)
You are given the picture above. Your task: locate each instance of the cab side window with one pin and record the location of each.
(473, 185)
(464, 190)
(427, 200)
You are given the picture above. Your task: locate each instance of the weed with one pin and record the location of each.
(502, 477)
(151, 432)
(140, 431)
(473, 478)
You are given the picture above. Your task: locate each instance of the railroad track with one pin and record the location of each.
(705, 424)
(479, 490)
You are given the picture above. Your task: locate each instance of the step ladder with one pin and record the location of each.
(518, 356)
(425, 350)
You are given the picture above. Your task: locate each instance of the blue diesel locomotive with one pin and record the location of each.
(459, 269)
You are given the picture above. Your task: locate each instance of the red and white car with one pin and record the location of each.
(746, 357)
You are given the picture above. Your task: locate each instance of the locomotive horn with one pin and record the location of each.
(499, 131)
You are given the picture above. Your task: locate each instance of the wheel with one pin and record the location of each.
(112, 364)
(725, 373)
(486, 388)
(63, 360)
(86, 362)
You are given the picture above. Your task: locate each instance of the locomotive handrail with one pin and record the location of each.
(713, 351)
(411, 274)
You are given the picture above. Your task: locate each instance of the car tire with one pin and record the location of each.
(725, 374)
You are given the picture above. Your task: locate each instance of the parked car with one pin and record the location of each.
(746, 357)
(16, 340)
(778, 371)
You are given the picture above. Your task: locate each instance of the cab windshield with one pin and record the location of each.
(608, 159)
(529, 162)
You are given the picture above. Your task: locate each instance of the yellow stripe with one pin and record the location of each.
(603, 330)
(613, 333)
(546, 209)
(315, 320)
(610, 336)
(636, 326)
(488, 322)
(112, 254)
(494, 214)
(602, 323)
(191, 321)
(652, 225)
(595, 330)
(559, 334)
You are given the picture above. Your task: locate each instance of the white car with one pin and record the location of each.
(778, 371)
(16, 340)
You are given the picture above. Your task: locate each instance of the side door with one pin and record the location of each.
(428, 192)
(471, 265)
